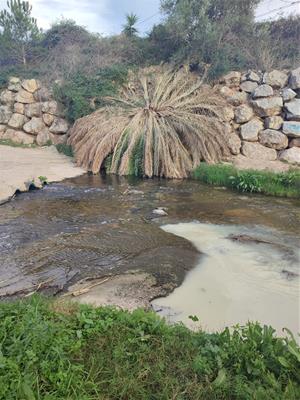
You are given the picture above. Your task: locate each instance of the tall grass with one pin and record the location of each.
(59, 351)
(285, 184)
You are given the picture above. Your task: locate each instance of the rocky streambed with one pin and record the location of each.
(97, 239)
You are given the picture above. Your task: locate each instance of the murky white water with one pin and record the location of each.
(235, 282)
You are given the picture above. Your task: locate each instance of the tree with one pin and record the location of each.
(19, 30)
(129, 28)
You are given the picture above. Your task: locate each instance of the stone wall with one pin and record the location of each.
(29, 114)
(265, 122)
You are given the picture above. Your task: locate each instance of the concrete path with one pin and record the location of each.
(19, 167)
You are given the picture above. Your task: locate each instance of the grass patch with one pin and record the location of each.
(65, 149)
(285, 184)
(50, 351)
(8, 142)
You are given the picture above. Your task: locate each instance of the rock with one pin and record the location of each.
(34, 126)
(294, 80)
(2, 130)
(251, 76)
(291, 128)
(160, 211)
(273, 139)
(59, 125)
(33, 110)
(14, 87)
(48, 119)
(227, 114)
(275, 78)
(293, 109)
(248, 86)
(13, 80)
(42, 94)
(273, 122)
(268, 107)
(243, 113)
(51, 107)
(263, 91)
(24, 97)
(5, 114)
(250, 130)
(43, 137)
(19, 137)
(257, 151)
(293, 142)
(234, 143)
(233, 97)
(19, 108)
(233, 78)
(292, 155)
(17, 121)
(31, 85)
(58, 139)
(7, 97)
(288, 94)
(242, 162)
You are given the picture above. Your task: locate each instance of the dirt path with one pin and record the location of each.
(20, 167)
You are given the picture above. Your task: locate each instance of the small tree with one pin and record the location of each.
(129, 29)
(19, 30)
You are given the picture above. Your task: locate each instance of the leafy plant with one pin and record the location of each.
(246, 181)
(43, 180)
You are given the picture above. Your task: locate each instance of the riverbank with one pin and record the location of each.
(22, 167)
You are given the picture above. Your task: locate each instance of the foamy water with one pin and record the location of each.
(236, 282)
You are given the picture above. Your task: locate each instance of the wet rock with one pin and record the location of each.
(19, 108)
(291, 128)
(276, 79)
(30, 85)
(7, 97)
(34, 126)
(295, 142)
(17, 121)
(59, 126)
(273, 122)
(263, 91)
(248, 86)
(293, 110)
(294, 80)
(292, 155)
(257, 151)
(160, 211)
(232, 79)
(267, 107)
(246, 239)
(33, 110)
(5, 114)
(288, 94)
(25, 97)
(48, 119)
(250, 130)
(273, 139)
(43, 137)
(243, 113)
(19, 137)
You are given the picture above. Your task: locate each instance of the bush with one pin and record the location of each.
(64, 351)
(285, 184)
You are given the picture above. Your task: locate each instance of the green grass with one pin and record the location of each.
(8, 142)
(61, 351)
(285, 184)
(65, 149)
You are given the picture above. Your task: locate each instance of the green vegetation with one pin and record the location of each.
(43, 180)
(8, 142)
(65, 149)
(285, 184)
(60, 351)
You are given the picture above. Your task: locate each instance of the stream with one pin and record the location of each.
(91, 226)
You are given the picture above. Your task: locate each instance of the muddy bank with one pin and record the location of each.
(20, 167)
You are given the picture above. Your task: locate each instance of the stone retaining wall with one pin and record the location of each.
(28, 114)
(264, 119)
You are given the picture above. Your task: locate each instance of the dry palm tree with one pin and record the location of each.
(162, 124)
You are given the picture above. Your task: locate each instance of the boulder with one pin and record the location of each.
(233, 97)
(243, 113)
(292, 155)
(2, 130)
(5, 114)
(248, 86)
(293, 142)
(51, 107)
(19, 108)
(48, 119)
(276, 79)
(232, 79)
(288, 94)
(251, 76)
(30, 85)
(7, 97)
(291, 128)
(13, 80)
(14, 84)
(234, 143)
(24, 97)
(263, 91)
(34, 126)
(58, 139)
(273, 122)
(42, 94)
(17, 121)
(43, 137)
(294, 80)
(59, 126)
(273, 139)
(19, 137)
(227, 114)
(33, 110)
(293, 109)
(250, 130)
(267, 107)
(257, 151)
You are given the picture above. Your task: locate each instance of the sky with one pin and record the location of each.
(107, 16)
